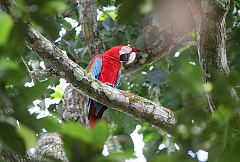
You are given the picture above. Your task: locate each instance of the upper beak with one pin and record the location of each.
(131, 57)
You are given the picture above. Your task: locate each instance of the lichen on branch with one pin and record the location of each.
(134, 105)
(143, 109)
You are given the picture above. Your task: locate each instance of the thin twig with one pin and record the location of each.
(28, 69)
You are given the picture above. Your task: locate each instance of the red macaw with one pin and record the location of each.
(107, 68)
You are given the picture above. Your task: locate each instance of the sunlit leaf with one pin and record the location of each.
(66, 24)
(55, 5)
(28, 136)
(7, 64)
(77, 131)
(222, 114)
(50, 123)
(58, 94)
(151, 136)
(6, 24)
(100, 133)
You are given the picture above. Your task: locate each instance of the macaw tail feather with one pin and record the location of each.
(95, 113)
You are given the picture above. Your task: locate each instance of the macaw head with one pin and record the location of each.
(127, 54)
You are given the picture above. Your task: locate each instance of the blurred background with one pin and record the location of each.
(34, 110)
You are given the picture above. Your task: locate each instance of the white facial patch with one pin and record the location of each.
(131, 57)
(125, 49)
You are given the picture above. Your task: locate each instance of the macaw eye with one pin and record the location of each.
(124, 57)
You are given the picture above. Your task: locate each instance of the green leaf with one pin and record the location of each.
(16, 41)
(107, 14)
(11, 138)
(66, 24)
(118, 156)
(100, 133)
(77, 131)
(129, 10)
(151, 136)
(32, 93)
(151, 147)
(104, 2)
(58, 94)
(157, 77)
(222, 114)
(55, 6)
(7, 64)
(28, 136)
(50, 123)
(6, 24)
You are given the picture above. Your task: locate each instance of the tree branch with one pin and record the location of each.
(129, 103)
(74, 102)
(42, 73)
(139, 107)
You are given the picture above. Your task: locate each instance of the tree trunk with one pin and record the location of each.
(75, 106)
(88, 21)
(67, 114)
(51, 145)
(75, 102)
(210, 22)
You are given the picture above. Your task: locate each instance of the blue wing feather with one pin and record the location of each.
(96, 109)
(96, 68)
(118, 80)
(95, 72)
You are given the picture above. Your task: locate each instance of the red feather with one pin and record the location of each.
(111, 65)
(110, 71)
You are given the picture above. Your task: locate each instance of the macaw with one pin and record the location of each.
(107, 69)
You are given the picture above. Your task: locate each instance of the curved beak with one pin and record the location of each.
(131, 57)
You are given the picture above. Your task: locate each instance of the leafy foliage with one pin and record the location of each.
(174, 81)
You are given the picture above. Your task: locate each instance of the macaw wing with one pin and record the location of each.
(95, 109)
(95, 65)
(117, 83)
(94, 68)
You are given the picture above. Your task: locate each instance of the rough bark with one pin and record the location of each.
(160, 36)
(136, 102)
(131, 104)
(75, 103)
(88, 21)
(124, 101)
(75, 106)
(42, 74)
(139, 107)
(50, 145)
(211, 32)
(7, 155)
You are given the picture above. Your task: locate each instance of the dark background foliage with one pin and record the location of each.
(173, 81)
